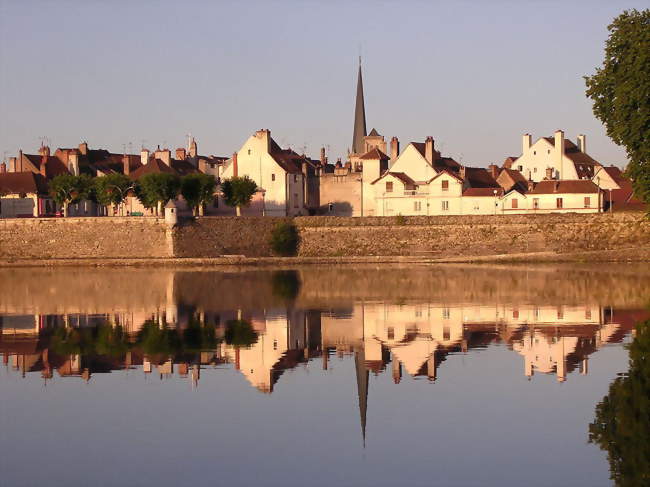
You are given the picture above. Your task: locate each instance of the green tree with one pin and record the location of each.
(240, 333)
(198, 189)
(68, 188)
(156, 189)
(285, 239)
(155, 340)
(621, 426)
(112, 189)
(238, 192)
(620, 91)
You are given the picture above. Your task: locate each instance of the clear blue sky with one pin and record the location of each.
(474, 75)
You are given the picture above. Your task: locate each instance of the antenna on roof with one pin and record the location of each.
(143, 141)
(43, 140)
(189, 140)
(130, 146)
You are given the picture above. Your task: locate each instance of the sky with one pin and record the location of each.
(474, 75)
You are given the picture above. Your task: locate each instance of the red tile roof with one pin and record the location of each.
(551, 186)
(374, 154)
(154, 166)
(482, 191)
(286, 158)
(22, 182)
(402, 177)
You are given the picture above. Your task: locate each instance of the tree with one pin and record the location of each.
(238, 192)
(621, 426)
(285, 239)
(68, 188)
(620, 90)
(240, 333)
(156, 189)
(198, 189)
(112, 189)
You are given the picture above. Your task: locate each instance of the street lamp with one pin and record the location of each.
(495, 202)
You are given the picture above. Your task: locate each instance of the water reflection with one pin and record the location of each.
(402, 323)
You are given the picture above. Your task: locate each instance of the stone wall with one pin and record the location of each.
(206, 237)
(99, 237)
(471, 235)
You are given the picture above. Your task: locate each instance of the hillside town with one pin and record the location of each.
(553, 174)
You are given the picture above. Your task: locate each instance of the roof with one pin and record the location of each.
(22, 182)
(478, 177)
(449, 173)
(373, 133)
(374, 154)
(53, 167)
(584, 164)
(482, 191)
(624, 196)
(550, 186)
(286, 158)
(510, 178)
(154, 166)
(402, 177)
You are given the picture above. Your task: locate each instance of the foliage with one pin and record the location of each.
(100, 340)
(68, 188)
(155, 340)
(112, 189)
(238, 191)
(198, 337)
(240, 333)
(198, 189)
(285, 239)
(622, 420)
(286, 285)
(400, 220)
(156, 189)
(620, 90)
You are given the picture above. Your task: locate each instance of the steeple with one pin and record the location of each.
(359, 117)
(362, 389)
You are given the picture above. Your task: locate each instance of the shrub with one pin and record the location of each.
(400, 220)
(285, 239)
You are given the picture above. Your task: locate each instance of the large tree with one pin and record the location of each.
(68, 188)
(156, 189)
(238, 192)
(620, 90)
(198, 189)
(112, 189)
(621, 425)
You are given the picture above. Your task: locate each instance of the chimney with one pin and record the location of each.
(180, 154)
(549, 173)
(3, 168)
(394, 149)
(12, 165)
(126, 165)
(582, 143)
(234, 165)
(559, 151)
(323, 159)
(165, 155)
(83, 148)
(428, 149)
(531, 185)
(44, 151)
(525, 143)
(144, 157)
(265, 136)
(73, 162)
(193, 148)
(44, 159)
(461, 173)
(494, 170)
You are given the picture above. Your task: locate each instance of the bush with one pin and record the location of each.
(400, 220)
(285, 239)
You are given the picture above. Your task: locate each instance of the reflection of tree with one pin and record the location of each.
(622, 422)
(198, 337)
(100, 340)
(158, 340)
(240, 333)
(286, 285)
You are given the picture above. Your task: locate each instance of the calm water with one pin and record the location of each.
(376, 375)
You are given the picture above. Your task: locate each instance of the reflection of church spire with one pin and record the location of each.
(362, 389)
(359, 117)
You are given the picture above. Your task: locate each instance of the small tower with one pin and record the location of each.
(171, 213)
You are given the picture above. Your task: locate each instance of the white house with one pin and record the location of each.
(278, 173)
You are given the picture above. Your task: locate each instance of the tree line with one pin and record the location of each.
(154, 190)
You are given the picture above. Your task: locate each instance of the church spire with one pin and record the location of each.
(362, 389)
(359, 117)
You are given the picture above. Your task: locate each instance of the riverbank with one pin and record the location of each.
(618, 255)
(337, 240)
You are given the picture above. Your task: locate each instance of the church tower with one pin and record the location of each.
(359, 118)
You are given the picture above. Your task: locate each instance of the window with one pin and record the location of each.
(446, 333)
(389, 186)
(445, 185)
(330, 207)
(548, 151)
(295, 200)
(272, 177)
(249, 152)
(560, 314)
(534, 152)
(588, 314)
(295, 178)
(417, 205)
(476, 205)
(534, 169)
(559, 203)
(445, 206)
(445, 313)
(391, 333)
(520, 168)
(587, 202)
(535, 203)
(515, 203)
(515, 313)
